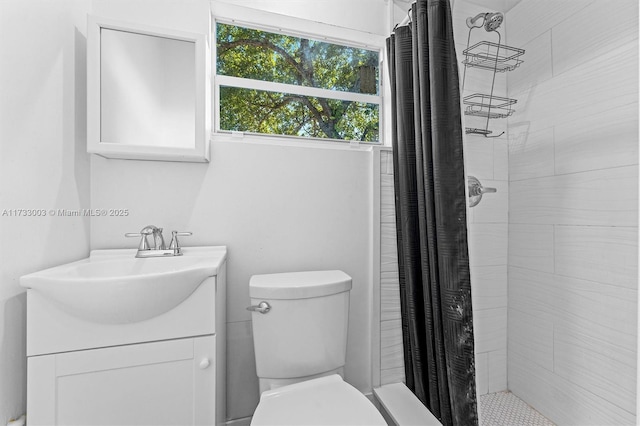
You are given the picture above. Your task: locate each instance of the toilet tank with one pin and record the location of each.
(304, 334)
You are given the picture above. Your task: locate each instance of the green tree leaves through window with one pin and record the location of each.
(339, 71)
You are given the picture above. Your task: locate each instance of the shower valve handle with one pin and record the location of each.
(476, 190)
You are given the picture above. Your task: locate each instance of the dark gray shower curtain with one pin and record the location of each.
(435, 288)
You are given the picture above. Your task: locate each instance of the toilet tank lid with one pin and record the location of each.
(298, 285)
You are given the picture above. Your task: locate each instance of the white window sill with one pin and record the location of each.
(290, 141)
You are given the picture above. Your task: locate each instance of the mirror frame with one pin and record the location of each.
(201, 151)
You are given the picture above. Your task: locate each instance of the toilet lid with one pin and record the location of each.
(325, 401)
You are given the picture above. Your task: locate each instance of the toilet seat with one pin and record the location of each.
(324, 401)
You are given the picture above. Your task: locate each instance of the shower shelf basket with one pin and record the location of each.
(481, 105)
(493, 56)
(476, 131)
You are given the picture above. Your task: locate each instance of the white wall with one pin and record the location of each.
(276, 207)
(363, 15)
(573, 213)
(43, 162)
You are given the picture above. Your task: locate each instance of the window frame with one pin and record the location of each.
(297, 27)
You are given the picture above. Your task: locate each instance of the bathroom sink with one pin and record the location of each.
(115, 287)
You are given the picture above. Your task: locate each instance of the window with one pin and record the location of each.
(272, 81)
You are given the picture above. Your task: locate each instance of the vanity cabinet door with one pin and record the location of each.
(159, 383)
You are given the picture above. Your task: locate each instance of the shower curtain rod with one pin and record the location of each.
(405, 21)
(407, 18)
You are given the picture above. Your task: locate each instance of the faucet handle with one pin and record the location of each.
(175, 244)
(144, 243)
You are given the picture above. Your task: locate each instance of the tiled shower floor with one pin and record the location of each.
(506, 409)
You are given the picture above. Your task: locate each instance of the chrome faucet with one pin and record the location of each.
(158, 239)
(159, 248)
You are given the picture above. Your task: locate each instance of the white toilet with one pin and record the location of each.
(300, 323)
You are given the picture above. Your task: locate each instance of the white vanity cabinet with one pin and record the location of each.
(166, 370)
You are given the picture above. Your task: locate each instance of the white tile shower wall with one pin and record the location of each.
(573, 217)
(486, 159)
(391, 352)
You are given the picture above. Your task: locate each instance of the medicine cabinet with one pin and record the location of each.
(148, 92)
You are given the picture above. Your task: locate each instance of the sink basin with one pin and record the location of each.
(115, 287)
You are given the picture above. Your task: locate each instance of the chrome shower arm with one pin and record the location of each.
(471, 21)
(491, 22)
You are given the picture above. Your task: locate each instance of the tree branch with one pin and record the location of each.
(224, 46)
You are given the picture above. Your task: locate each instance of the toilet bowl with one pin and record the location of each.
(300, 322)
(325, 401)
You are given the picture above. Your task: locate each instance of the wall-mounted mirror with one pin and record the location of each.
(147, 93)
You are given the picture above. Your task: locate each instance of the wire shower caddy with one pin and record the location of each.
(488, 55)
(494, 57)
